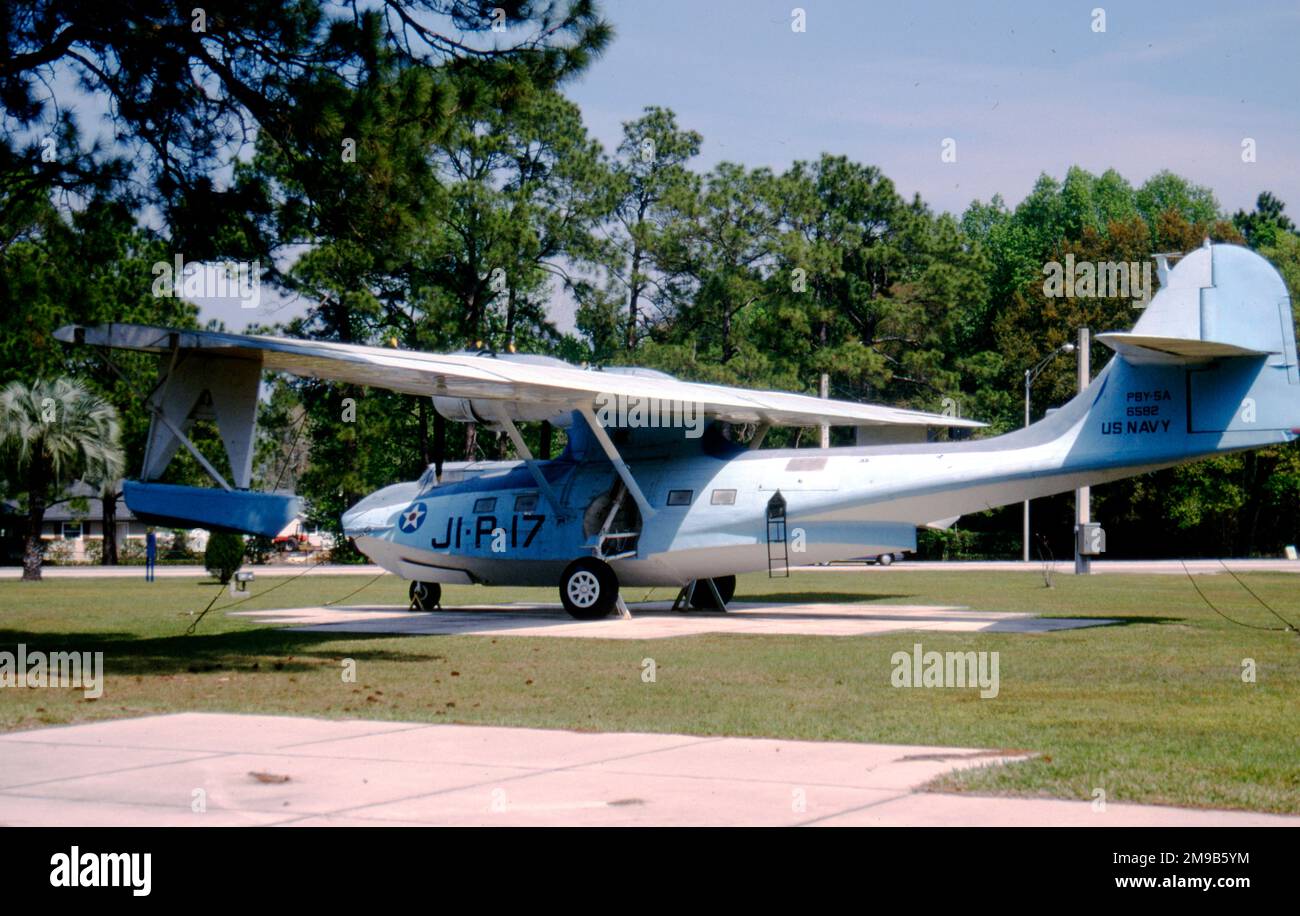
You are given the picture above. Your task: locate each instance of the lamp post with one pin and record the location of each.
(1083, 495)
(1030, 375)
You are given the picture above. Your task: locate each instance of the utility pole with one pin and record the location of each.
(1030, 375)
(1024, 536)
(1082, 496)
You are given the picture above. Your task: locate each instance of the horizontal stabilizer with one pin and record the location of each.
(1145, 348)
(241, 511)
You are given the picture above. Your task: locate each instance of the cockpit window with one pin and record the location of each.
(428, 480)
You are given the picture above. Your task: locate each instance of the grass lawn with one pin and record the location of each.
(1154, 710)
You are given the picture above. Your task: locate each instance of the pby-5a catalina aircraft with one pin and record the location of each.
(648, 490)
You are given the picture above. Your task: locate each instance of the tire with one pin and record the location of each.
(588, 588)
(702, 595)
(424, 595)
(884, 559)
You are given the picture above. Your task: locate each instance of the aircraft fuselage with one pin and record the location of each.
(711, 499)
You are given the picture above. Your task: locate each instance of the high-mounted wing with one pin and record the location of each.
(208, 374)
(530, 390)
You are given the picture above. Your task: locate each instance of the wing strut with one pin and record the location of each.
(190, 447)
(611, 452)
(194, 385)
(522, 448)
(156, 404)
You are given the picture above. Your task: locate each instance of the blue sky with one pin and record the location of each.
(1021, 87)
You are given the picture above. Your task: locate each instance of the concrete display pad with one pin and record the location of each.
(215, 769)
(656, 620)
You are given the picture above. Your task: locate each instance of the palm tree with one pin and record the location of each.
(51, 434)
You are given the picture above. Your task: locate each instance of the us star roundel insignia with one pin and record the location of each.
(412, 517)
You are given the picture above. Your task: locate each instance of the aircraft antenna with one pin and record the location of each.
(355, 591)
(1249, 626)
(1289, 625)
(189, 631)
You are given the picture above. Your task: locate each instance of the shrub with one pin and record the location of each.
(224, 556)
(130, 551)
(945, 544)
(57, 552)
(259, 549)
(179, 549)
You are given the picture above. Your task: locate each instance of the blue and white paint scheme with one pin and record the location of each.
(1210, 367)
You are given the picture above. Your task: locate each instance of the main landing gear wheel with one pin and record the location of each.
(884, 559)
(425, 595)
(702, 595)
(588, 588)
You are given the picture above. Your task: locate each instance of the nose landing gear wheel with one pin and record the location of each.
(425, 595)
(588, 588)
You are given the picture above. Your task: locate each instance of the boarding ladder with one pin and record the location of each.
(616, 545)
(778, 556)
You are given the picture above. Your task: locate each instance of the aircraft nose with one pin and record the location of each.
(350, 516)
(368, 516)
(379, 511)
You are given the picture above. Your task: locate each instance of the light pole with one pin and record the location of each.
(1030, 375)
(1083, 495)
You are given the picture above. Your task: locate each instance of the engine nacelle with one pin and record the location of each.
(476, 410)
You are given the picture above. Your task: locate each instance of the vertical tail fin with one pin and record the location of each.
(1221, 331)
(1219, 301)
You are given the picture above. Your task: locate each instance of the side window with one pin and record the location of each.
(723, 498)
(680, 497)
(525, 502)
(486, 504)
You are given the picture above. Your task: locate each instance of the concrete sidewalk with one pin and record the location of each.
(1066, 567)
(188, 571)
(207, 770)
